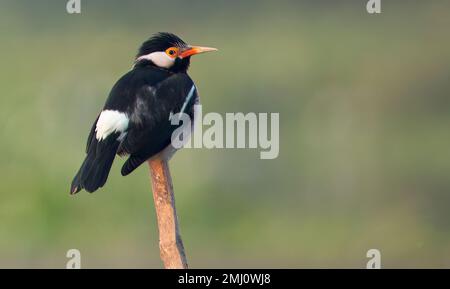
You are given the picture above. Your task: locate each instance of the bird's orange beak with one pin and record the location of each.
(192, 50)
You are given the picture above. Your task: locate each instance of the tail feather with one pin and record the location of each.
(131, 164)
(77, 183)
(94, 171)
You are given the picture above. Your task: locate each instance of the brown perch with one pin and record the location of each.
(170, 243)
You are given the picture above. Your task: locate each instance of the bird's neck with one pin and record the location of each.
(146, 63)
(141, 63)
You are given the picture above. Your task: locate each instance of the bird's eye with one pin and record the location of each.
(172, 52)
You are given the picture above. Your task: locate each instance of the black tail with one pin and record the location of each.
(95, 168)
(131, 164)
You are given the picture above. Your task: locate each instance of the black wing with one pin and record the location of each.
(150, 129)
(124, 93)
(122, 100)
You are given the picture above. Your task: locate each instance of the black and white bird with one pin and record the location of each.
(135, 120)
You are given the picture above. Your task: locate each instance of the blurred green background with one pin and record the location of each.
(364, 109)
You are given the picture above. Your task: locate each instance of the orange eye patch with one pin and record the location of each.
(172, 52)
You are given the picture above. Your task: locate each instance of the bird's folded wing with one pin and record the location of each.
(150, 129)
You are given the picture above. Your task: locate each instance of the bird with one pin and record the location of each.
(135, 120)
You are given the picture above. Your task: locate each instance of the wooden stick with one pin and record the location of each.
(170, 243)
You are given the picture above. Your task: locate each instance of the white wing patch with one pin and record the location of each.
(111, 121)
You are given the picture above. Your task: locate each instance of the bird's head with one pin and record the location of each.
(168, 51)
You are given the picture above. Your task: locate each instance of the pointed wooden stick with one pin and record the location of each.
(170, 243)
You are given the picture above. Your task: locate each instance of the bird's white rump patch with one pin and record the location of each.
(111, 121)
(159, 58)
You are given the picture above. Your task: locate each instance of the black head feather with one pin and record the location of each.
(160, 42)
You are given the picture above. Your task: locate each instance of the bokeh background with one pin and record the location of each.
(364, 158)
